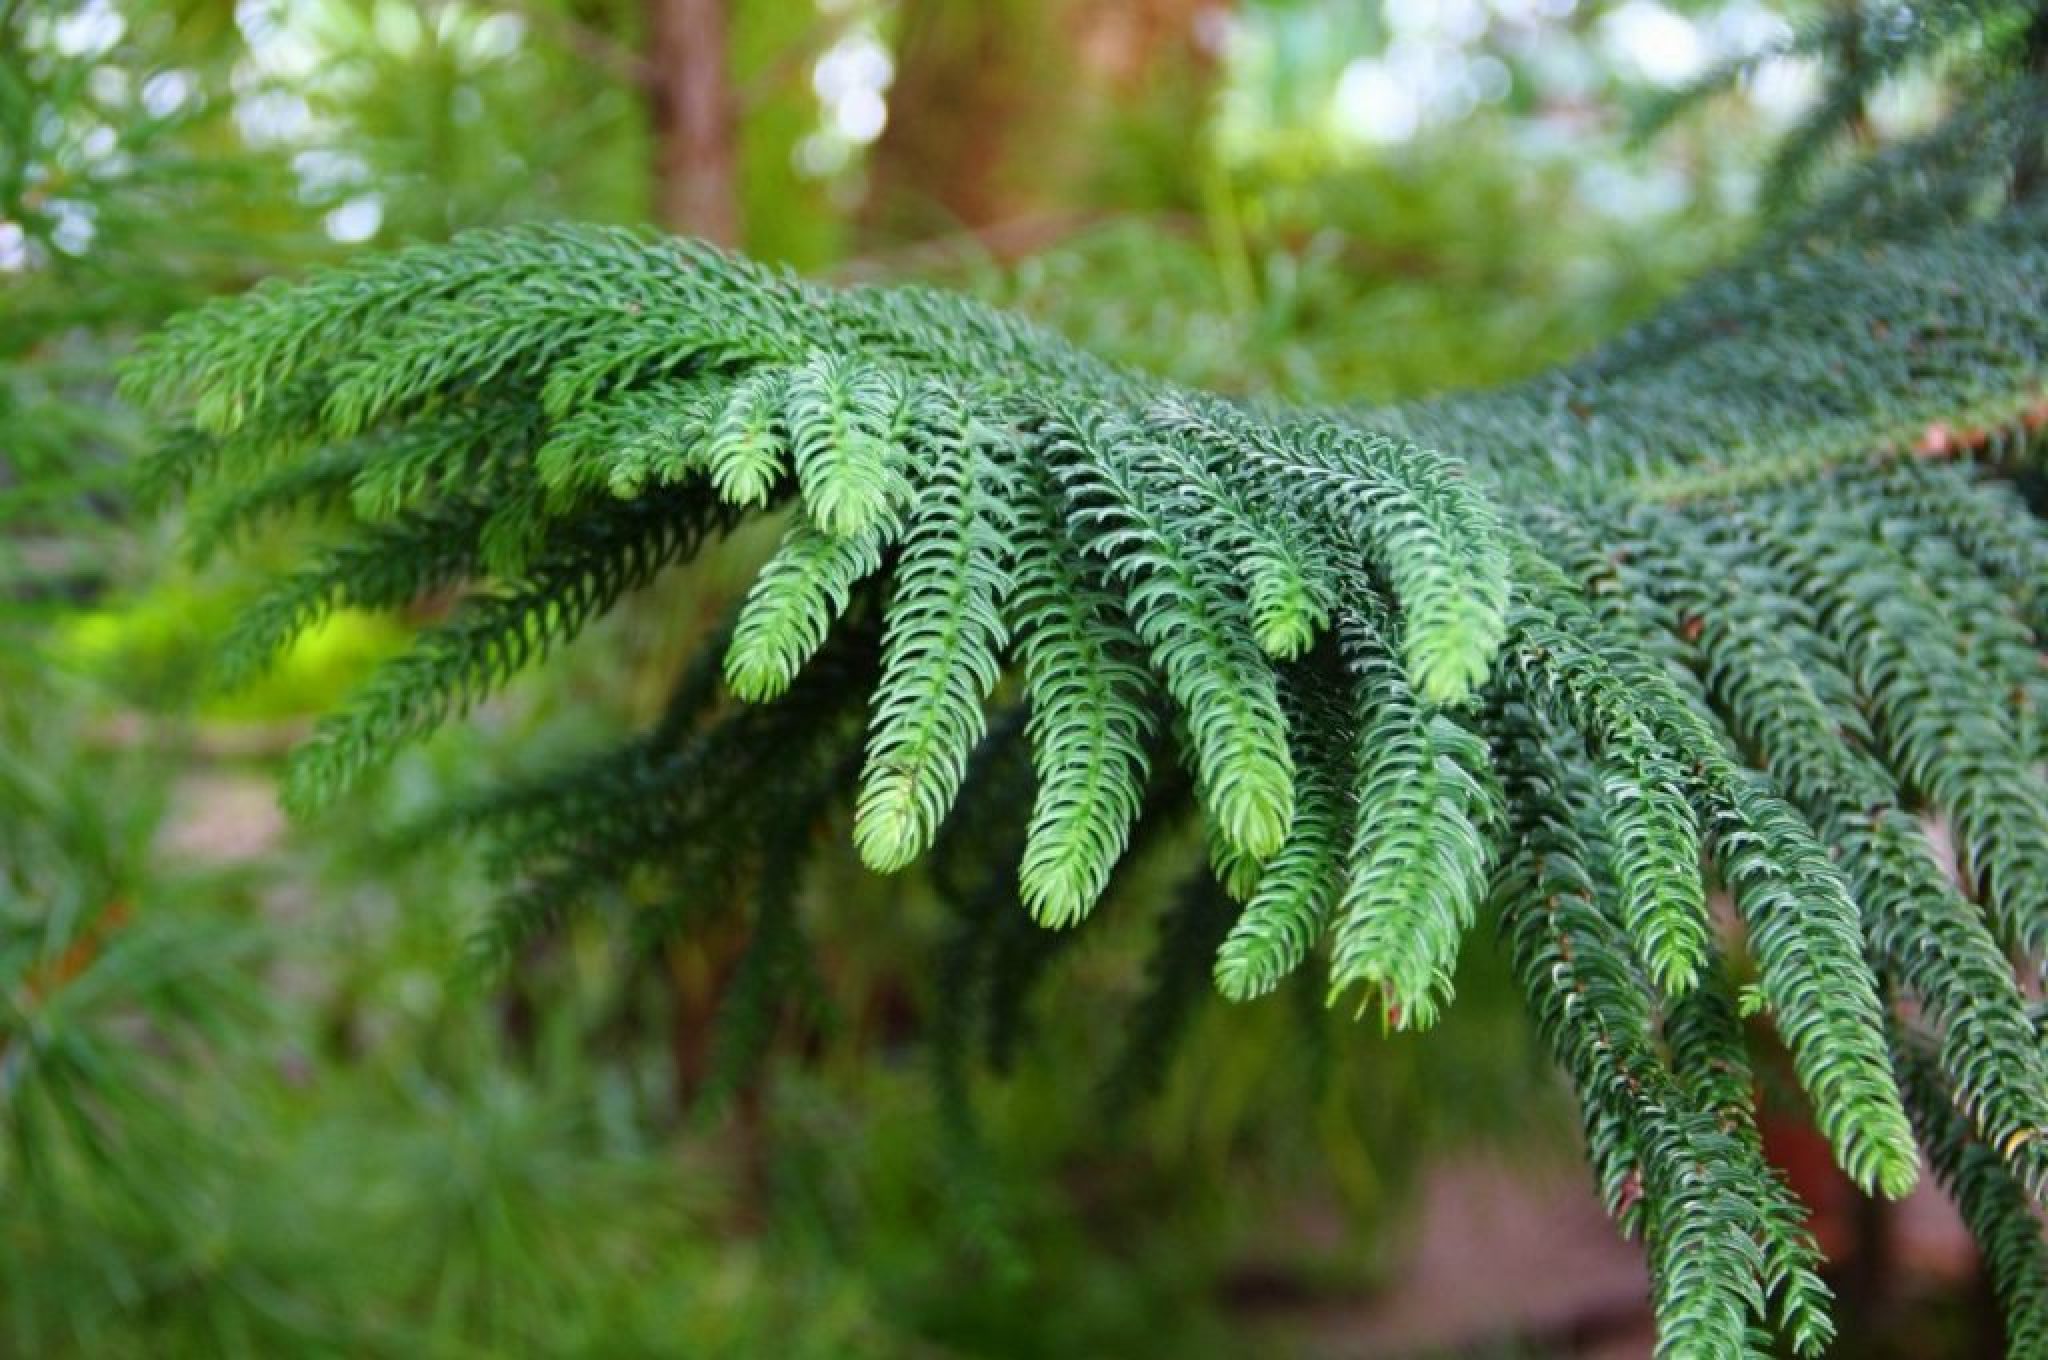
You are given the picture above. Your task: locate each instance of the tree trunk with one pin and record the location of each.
(696, 155)
(963, 77)
(1003, 109)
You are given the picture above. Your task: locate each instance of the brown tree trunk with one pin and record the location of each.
(1127, 44)
(696, 154)
(999, 111)
(963, 78)
(2030, 168)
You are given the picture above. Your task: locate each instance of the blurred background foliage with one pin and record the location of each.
(251, 1102)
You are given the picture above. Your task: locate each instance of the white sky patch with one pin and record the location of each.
(1374, 104)
(89, 30)
(1783, 87)
(1905, 106)
(1422, 79)
(273, 118)
(259, 20)
(109, 85)
(277, 48)
(1458, 21)
(1743, 26)
(98, 144)
(1628, 193)
(72, 225)
(398, 28)
(164, 93)
(1531, 11)
(356, 220)
(860, 115)
(324, 173)
(851, 80)
(856, 62)
(497, 36)
(13, 248)
(1657, 44)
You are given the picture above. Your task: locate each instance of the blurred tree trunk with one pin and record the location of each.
(1127, 44)
(696, 150)
(964, 77)
(696, 192)
(2030, 170)
(1000, 107)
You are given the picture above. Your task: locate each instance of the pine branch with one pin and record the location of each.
(1735, 601)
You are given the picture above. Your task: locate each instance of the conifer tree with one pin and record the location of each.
(1739, 603)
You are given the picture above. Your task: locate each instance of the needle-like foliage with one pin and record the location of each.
(1737, 603)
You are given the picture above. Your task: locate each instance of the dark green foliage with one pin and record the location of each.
(1867, 44)
(1191, 928)
(2002, 1215)
(940, 649)
(1736, 603)
(1092, 706)
(1423, 811)
(1671, 1142)
(1290, 908)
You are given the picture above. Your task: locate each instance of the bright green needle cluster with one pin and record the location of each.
(1735, 605)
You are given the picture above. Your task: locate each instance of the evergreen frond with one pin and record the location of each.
(1804, 930)
(748, 452)
(1787, 699)
(382, 567)
(805, 586)
(1422, 809)
(1290, 909)
(1721, 1234)
(1655, 838)
(496, 633)
(1740, 600)
(839, 417)
(1198, 633)
(2000, 1216)
(941, 643)
(1092, 712)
